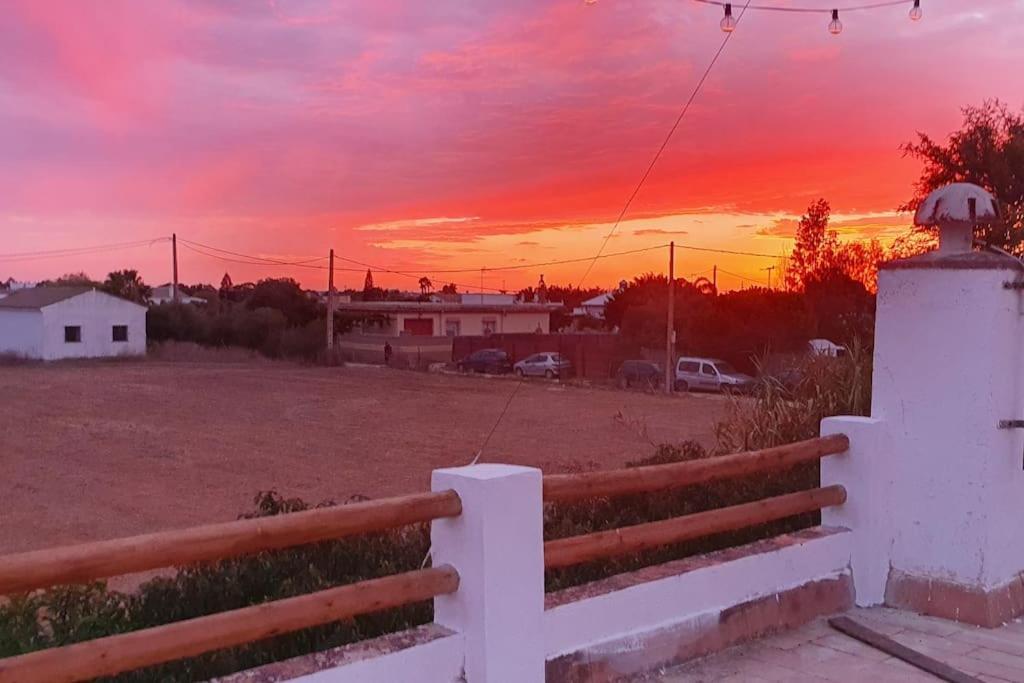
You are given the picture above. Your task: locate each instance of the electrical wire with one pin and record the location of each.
(714, 250)
(266, 260)
(813, 10)
(78, 251)
(664, 144)
(543, 264)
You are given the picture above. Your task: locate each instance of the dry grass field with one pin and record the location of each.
(99, 450)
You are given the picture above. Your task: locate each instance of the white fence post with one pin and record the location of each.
(862, 470)
(497, 546)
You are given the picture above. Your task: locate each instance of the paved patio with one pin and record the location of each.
(816, 652)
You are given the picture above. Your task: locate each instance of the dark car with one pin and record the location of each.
(491, 361)
(642, 373)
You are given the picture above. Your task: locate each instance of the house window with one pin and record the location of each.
(490, 326)
(72, 334)
(452, 328)
(120, 333)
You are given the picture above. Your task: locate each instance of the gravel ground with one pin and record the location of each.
(100, 450)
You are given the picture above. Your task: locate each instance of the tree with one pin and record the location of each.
(450, 288)
(705, 286)
(78, 279)
(128, 285)
(818, 254)
(988, 150)
(426, 286)
(368, 282)
(814, 244)
(226, 285)
(286, 296)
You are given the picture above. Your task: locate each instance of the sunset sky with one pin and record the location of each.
(454, 134)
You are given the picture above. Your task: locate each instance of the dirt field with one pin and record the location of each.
(100, 450)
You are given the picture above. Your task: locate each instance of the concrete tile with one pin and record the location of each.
(844, 643)
(993, 639)
(997, 657)
(978, 666)
(909, 620)
(933, 646)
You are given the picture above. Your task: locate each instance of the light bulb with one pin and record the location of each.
(728, 24)
(835, 27)
(915, 11)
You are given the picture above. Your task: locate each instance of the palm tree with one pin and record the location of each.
(426, 286)
(128, 285)
(705, 286)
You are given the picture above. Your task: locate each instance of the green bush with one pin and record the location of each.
(776, 415)
(786, 412)
(67, 614)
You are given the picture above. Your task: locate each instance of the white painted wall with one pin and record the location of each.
(96, 313)
(497, 546)
(936, 489)
(677, 599)
(21, 332)
(438, 661)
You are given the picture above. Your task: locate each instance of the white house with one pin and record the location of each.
(593, 308)
(432, 319)
(165, 294)
(51, 323)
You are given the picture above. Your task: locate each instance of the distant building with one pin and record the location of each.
(51, 323)
(164, 294)
(593, 308)
(439, 319)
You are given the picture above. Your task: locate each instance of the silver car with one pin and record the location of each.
(710, 374)
(547, 364)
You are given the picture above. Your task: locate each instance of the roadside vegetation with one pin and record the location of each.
(829, 293)
(69, 614)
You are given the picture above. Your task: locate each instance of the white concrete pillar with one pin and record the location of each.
(497, 546)
(935, 486)
(863, 471)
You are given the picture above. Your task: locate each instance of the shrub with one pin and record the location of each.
(784, 412)
(776, 415)
(589, 516)
(71, 614)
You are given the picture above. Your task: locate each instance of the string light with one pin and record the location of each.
(728, 23)
(835, 27)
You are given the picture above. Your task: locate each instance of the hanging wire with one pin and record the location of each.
(78, 251)
(813, 10)
(657, 155)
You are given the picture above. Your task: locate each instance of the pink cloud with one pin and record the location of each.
(284, 126)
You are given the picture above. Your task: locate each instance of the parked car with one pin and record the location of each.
(710, 374)
(491, 361)
(547, 364)
(643, 373)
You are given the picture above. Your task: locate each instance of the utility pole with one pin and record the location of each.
(174, 258)
(769, 269)
(714, 278)
(670, 335)
(330, 303)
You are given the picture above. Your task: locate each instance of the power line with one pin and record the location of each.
(263, 260)
(78, 251)
(714, 250)
(664, 144)
(812, 10)
(526, 266)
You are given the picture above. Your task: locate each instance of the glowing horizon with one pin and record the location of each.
(459, 136)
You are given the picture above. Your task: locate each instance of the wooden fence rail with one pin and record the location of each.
(127, 651)
(90, 561)
(566, 487)
(565, 552)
